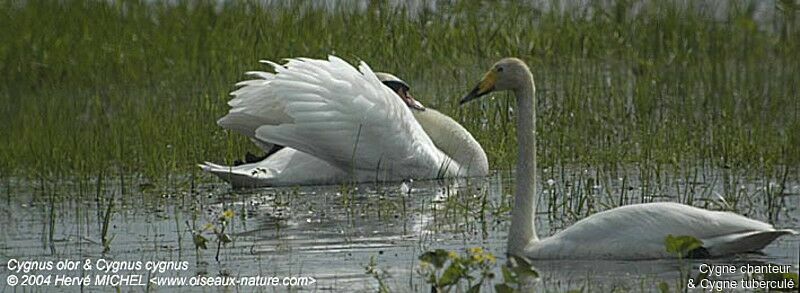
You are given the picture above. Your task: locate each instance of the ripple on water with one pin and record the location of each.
(332, 233)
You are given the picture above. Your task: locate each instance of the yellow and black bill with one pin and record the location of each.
(485, 86)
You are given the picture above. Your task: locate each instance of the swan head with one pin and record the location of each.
(506, 74)
(401, 88)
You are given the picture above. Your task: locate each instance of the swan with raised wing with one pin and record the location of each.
(340, 124)
(635, 231)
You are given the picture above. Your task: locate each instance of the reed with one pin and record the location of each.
(128, 86)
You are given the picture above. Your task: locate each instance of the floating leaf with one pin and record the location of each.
(437, 257)
(508, 275)
(200, 241)
(682, 245)
(503, 288)
(663, 287)
(451, 275)
(522, 267)
(225, 238)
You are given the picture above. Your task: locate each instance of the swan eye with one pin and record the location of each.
(499, 69)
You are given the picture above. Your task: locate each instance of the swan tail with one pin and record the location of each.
(750, 241)
(239, 177)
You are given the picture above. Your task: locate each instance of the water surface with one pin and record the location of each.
(332, 233)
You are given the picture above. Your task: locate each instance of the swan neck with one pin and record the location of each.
(523, 229)
(455, 141)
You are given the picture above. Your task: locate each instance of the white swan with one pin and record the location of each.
(339, 124)
(629, 232)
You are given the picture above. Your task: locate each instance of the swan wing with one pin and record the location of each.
(639, 232)
(243, 117)
(337, 113)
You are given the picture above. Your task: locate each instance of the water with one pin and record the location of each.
(333, 233)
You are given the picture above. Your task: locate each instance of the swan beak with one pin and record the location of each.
(485, 86)
(411, 102)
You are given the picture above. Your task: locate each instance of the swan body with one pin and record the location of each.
(341, 124)
(628, 232)
(638, 232)
(285, 167)
(289, 167)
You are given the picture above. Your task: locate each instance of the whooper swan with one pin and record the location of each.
(635, 231)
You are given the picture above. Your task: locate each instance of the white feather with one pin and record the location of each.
(330, 112)
(639, 232)
(336, 113)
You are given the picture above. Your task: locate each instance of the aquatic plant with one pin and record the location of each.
(104, 237)
(378, 274)
(446, 270)
(682, 246)
(217, 227)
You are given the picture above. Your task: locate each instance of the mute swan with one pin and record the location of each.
(339, 124)
(629, 232)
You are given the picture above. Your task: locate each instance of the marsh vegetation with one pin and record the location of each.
(108, 106)
(133, 87)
